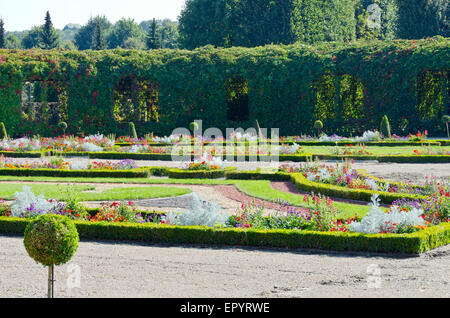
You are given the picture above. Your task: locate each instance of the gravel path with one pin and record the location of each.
(414, 172)
(132, 270)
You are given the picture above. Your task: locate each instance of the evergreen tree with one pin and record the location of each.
(2, 34)
(98, 39)
(49, 37)
(153, 40)
(84, 36)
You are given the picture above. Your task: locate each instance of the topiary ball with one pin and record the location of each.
(193, 126)
(318, 124)
(51, 239)
(62, 125)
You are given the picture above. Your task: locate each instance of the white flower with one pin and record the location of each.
(135, 149)
(324, 174)
(369, 136)
(167, 140)
(292, 150)
(90, 147)
(311, 176)
(79, 165)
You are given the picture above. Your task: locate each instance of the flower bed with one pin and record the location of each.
(57, 167)
(401, 231)
(197, 174)
(347, 193)
(343, 175)
(203, 167)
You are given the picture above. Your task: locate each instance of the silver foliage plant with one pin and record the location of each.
(377, 220)
(27, 199)
(200, 212)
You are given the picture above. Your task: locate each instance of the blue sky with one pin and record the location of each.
(23, 14)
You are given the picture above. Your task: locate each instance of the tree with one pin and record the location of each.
(206, 22)
(251, 23)
(31, 38)
(169, 34)
(2, 35)
(134, 44)
(124, 29)
(83, 38)
(13, 42)
(153, 38)
(49, 36)
(68, 45)
(51, 239)
(98, 39)
(166, 30)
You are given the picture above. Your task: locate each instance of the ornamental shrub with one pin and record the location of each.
(51, 239)
(377, 221)
(385, 127)
(63, 125)
(446, 120)
(200, 212)
(193, 127)
(3, 133)
(133, 130)
(319, 126)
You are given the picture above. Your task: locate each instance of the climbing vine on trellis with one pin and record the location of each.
(348, 86)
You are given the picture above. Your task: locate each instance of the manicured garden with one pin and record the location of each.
(103, 120)
(327, 213)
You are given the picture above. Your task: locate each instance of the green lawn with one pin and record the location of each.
(61, 191)
(261, 189)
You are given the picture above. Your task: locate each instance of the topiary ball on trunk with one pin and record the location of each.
(62, 125)
(318, 124)
(51, 239)
(193, 126)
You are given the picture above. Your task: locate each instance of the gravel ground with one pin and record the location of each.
(416, 172)
(133, 270)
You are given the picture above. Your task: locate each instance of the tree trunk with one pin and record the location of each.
(51, 280)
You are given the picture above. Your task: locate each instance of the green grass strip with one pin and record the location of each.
(61, 192)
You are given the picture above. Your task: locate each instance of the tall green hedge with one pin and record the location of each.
(366, 80)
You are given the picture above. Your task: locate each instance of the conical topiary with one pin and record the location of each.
(3, 133)
(385, 127)
(446, 120)
(258, 129)
(133, 130)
